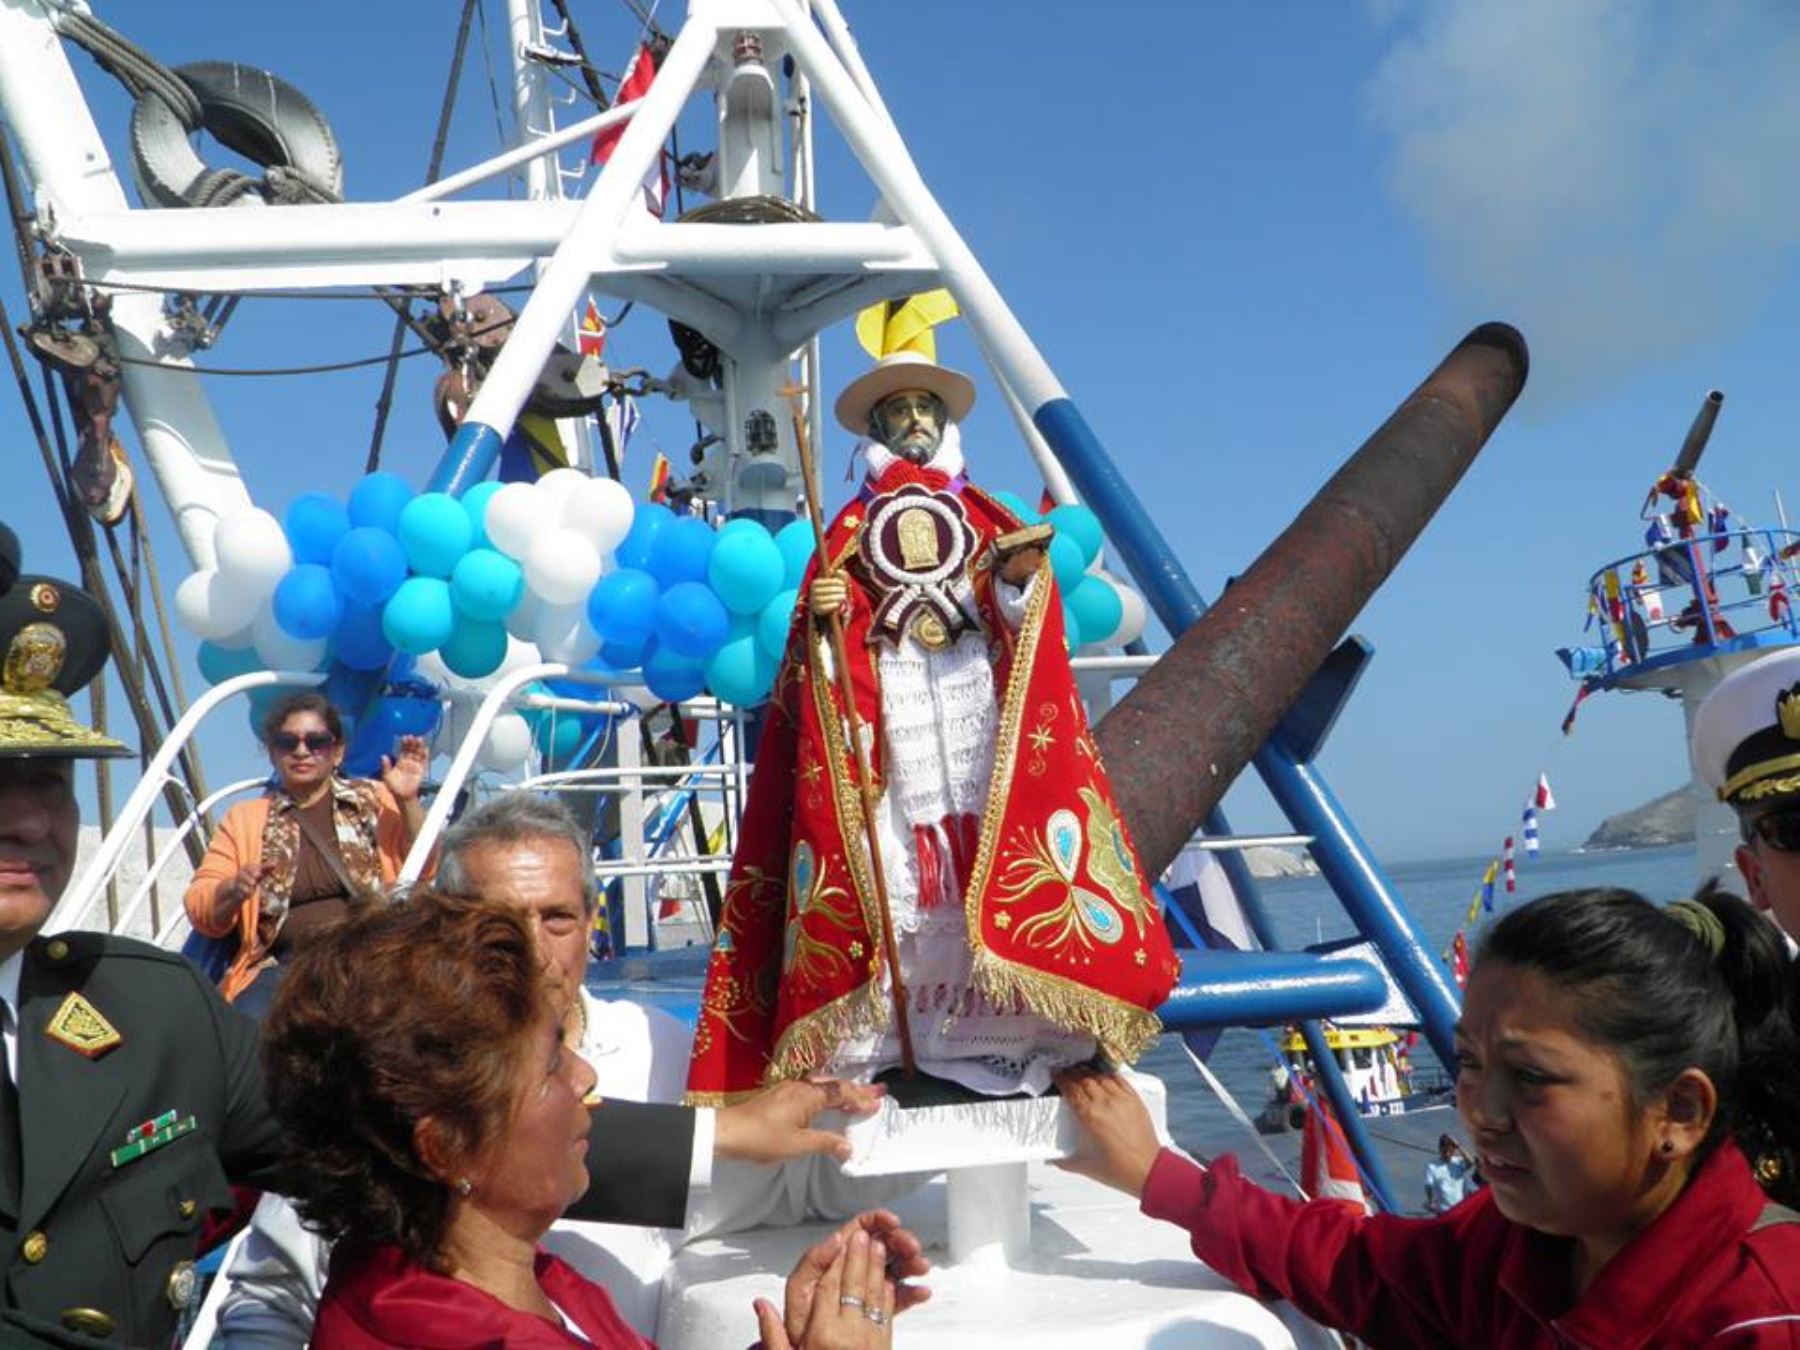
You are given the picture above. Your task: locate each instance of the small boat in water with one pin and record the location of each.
(1377, 1065)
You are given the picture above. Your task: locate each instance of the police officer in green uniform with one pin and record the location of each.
(131, 1090)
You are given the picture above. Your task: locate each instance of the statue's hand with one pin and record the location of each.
(828, 595)
(1019, 554)
(1019, 566)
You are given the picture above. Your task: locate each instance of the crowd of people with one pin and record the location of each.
(449, 1113)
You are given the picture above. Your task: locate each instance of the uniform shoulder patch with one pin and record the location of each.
(79, 1025)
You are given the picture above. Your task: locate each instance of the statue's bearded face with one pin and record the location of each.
(910, 423)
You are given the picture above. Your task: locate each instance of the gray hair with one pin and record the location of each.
(513, 818)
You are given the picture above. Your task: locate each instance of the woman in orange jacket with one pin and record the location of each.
(289, 861)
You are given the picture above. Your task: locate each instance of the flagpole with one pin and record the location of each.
(866, 793)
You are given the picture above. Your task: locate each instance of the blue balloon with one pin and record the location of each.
(1083, 526)
(420, 616)
(405, 708)
(624, 655)
(1066, 563)
(773, 623)
(314, 523)
(434, 532)
(796, 543)
(639, 543)
(1096, 607)
(670, 676)
(475, 501)
(746, 568)
(690, 621)
(486, 584)
(306, 604)
(476, 648)
(368, 565)
(219, 664)
(350, 690)
(1013, 502)
(682, 551)
(378, 500)
(741, 672)
(358, 641)
(622, 607)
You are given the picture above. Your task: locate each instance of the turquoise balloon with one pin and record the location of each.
(741, 672)
(1083, 526)
(474, 502)
(558, 737)
(1066, 563)
(1072, 637)
(671, 676)
(219, 664)
(434, 533)
(639, 543)
(486, 584)
(1097, 608)
(682, 551)
(796, 544)
(475, 648)
(690, 621)
(622, 608)
(420, 617)
(368, 565)
(1013, 502)
(738, 524)
(746, 567)
(378, 500)
(305, 603)
(773, 623)
(315, 521)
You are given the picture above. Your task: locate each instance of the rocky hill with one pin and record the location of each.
(1667, 820)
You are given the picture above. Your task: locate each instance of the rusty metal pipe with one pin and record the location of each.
(1180, 737)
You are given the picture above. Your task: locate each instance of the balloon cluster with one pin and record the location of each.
(1099, 610)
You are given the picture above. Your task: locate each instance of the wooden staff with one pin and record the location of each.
(834, 626)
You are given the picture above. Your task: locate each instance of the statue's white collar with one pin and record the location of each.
(948, 460)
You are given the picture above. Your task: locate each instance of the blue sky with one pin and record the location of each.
(1241, 234)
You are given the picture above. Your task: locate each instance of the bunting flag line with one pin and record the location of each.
(1459, 959)
(622, 418)
(1506, 856)
(1582, 690)
(590, 336)
(1487, 885)
(1530, 832)
(1327, 1167)
(659, 477)
(1543, 800)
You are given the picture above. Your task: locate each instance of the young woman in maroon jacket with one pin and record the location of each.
(1628, 1077)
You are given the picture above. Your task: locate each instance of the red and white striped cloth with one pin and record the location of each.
(1327, 1167)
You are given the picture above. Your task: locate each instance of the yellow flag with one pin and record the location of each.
(905, 325)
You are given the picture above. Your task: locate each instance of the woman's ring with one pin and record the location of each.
(875, 1315)
(851, 1301)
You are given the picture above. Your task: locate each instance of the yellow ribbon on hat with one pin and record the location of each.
(905, 325)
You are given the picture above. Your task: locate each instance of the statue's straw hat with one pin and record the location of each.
(895, 372)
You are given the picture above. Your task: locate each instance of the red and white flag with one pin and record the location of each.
(1543, 800)
(1327, 1167)
(639, 76)
(1459, 959)
(1512, 876)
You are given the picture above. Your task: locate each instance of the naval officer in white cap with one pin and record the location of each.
(1746, 746)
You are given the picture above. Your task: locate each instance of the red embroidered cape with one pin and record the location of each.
(1060, 916)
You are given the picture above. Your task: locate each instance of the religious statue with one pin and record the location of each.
(1025, 934)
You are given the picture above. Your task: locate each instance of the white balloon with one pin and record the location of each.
(211, 608)
(431, 667)
(252, 551)
(1137, 615)
(522, 622)
(564, 634)
(599, 510)
(553, 488)
(240, 641)
(519, 654)
(561, 567)
(278, 651)
(508, 744)
(514, 516)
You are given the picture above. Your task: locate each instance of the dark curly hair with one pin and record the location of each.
(1665, 999)
(417, 1008)
(301, 700)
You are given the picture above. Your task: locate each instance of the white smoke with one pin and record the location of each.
(1620, 178)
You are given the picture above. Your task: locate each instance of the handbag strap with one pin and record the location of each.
(332, 858)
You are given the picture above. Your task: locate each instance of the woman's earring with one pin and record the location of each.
(1668, 1147)
(463, 1185)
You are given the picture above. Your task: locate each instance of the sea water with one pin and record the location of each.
(1305, 910)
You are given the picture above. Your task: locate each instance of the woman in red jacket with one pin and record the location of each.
(415, 1059)
(1628, 1077)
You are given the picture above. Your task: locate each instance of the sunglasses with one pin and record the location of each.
(316, 741)
(1780, 830)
